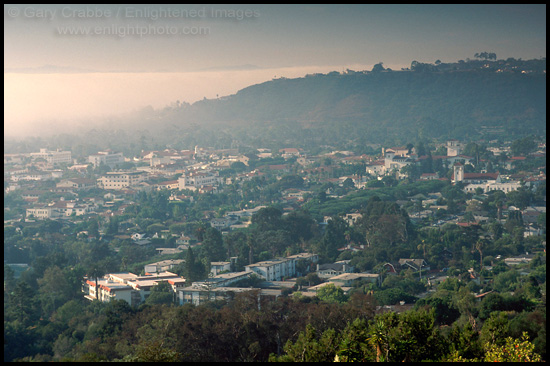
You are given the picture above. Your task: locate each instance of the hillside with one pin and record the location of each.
(382, 106)
(465, 100)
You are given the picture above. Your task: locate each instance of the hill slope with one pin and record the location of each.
(379, 106)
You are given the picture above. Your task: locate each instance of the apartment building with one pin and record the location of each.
(277, 269)
(163, 266)
(129, 287)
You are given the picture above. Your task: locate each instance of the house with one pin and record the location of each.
(59, 209)
(429, 176)
(290, 152)
(75, 184)
(347, 279)
(376, 168)
(183, 240)
(68, 208)
(244, 212)
(138, 236)
(394, 159)
(169, 184)
(400, 307)
(316, 288)
(168, 251)
(520, 259)
(351, 218)
(329, 270)
(414, 264)
(390, 268)
(221, 223)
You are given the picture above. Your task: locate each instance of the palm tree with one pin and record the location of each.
(479, 247)
(96, 270)
(378, 339)
(423, 247)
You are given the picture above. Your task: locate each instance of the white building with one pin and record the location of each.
(277, 269)
(42, 213)
(53, 157)
(196, 180)
(493, 186)
(59, 209)
(121, 180)
(108, 157)
(129, 287)
(376, 168)
(454, 148)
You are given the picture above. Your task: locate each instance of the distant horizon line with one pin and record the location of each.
(60, 69)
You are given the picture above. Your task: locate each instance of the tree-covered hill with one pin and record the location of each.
(471, 100)
(380, 106)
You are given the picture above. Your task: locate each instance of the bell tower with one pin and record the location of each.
(458, 172)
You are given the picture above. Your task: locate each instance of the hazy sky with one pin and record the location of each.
(72, 61)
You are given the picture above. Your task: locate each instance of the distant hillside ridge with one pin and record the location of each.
(457, 104)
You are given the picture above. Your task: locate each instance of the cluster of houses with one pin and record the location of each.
(34, 175)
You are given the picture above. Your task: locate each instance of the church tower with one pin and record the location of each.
(458, 172)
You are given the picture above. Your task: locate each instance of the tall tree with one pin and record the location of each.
(212, 245)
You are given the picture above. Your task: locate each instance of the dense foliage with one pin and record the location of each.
(46, 318)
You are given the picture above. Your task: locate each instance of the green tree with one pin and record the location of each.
(495, 329)
(212, 245)
(310, 348)
(23, 305)
(513, 350)
(194, 268)
(332, 294)
(523, 146)
(334, 238)
(267, 218)
(161, 294)
(54, 289)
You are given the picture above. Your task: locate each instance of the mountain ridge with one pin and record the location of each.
(406, 103)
